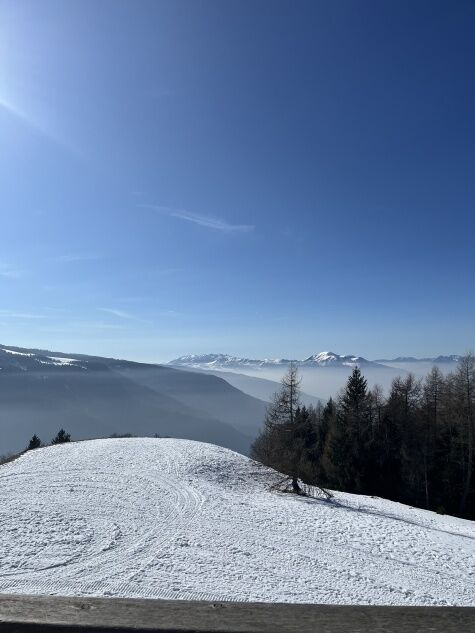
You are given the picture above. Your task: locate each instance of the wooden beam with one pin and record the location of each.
(48, 614)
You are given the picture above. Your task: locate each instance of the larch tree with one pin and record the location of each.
(465, 385)
(432, 395)
(282, 440)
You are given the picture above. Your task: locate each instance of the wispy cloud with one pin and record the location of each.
(11, 314)
(9, 272)
(156, 314)
(74, 257)
(207, 221)
(121, 314)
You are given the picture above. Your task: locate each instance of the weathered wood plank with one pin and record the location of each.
(47, 614)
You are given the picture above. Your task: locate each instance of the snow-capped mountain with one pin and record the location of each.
(453, 358)
(225, 361)
(211, 361)
(321, 359)
(325, 359)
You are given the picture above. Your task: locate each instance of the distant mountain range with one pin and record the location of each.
(321, 359)
(208, 397)
(453, 358)
(91, 396)
(225, 361)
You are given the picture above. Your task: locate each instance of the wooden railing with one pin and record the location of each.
(46, 614)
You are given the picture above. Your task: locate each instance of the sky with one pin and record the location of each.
(265, 179)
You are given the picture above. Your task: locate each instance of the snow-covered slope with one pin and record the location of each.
(164, 518)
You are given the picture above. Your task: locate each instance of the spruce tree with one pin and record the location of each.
(61, 438)
(35, 442)
(346, 446)
(326, 422)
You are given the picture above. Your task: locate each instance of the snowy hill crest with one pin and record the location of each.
(167, 518)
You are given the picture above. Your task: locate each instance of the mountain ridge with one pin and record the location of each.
(451, 358)
(320, 359)
(93, 396)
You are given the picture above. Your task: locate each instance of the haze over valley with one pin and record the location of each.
(323, 374)
(215, 397)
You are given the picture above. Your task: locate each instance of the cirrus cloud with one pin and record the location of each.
(207, 221)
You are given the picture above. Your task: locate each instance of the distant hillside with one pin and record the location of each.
(261, 388)
(90, 396)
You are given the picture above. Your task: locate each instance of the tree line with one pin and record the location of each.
(60, 438)
(414, 445)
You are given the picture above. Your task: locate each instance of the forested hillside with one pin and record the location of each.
(414, 445)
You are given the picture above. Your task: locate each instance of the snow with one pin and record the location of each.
(43, 360)
(60, 360)
(10, 351)
(166, 518)
(323, 359)
(224, 361)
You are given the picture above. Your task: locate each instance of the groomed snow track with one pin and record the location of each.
(165, 518)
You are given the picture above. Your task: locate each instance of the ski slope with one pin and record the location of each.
(166, 518)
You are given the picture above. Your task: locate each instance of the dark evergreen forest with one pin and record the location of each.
(413, 445)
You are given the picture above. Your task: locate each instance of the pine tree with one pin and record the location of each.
(61, 438)
(304, 441)
(35, 442)
(353, 431)
(325, 423)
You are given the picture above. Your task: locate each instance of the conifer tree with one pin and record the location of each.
(414, 446)
(429, 421)
(465, 385)
(345, 456)
(327, 420)
(35, 442)
(278, 445)
(61, 438)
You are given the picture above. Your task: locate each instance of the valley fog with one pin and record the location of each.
(326, 382)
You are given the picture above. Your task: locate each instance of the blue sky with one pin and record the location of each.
(258, 178)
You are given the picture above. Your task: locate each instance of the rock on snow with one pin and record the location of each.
(165, 518)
